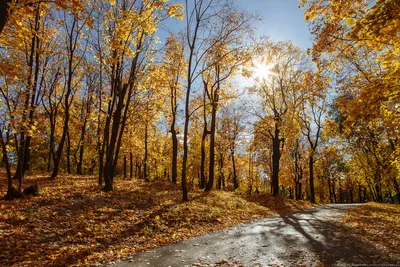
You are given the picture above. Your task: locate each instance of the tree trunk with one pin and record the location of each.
(124, 166)
(185, 150)
(330, 190)
(67, 100)
(51, 140)
(351, 195)
(146, 179)
(235, 180)
(5, 11)
(311, 166)
(24, 150)
(202, 183)
(334, 191)
(81, 146)
(131, 165)
(174, 167)
(211, 167)
(221, 174)
(10, 189)
(276, 155)
(174, 162)
(68, 153)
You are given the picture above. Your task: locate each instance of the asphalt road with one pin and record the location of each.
(313, 237)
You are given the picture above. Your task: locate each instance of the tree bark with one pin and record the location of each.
(174, 166)
(211, 167)
(276, 155)
(68, 153)
(202, 183)
(25, 139)
(10, 189)
(67, 98)
(311, 166)
(124, 166)
(214, 108)
(235, 180)
(131, 165)
(146, 179)
(5, 11)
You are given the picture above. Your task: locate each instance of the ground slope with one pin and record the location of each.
(73, 222)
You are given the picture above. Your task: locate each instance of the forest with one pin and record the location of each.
(104, 104)
(87, 87)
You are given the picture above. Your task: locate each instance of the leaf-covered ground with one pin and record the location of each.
(72, 222)
(376, 224)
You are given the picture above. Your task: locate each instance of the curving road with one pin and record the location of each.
(314, 237)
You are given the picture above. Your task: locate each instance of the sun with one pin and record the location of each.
(262, 71)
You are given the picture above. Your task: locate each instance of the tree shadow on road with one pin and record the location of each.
(311, 238)
(331, 240)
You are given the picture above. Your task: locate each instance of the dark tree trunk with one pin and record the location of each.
(174, 167)
(185, 150)
(10, 189)
(124, 166)
(220, 175)
(99, 146)
(174, 137)
(334, 191)
(27, 152)
(80, 162)
(51, 139)
(300, 194)
(330, 190)
(68, 153)
(202, 183)
(311, 166)
(364, 194)
(276, 155)
(214, 109)
(82, 143)
(5, 11)
(25, 139)
(351, 195)
(146, 179)
(235, 180)
(131, 165)
(73, 36)
(120, 100)
(211, 167)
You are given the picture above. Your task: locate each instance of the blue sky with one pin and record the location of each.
(282, 20)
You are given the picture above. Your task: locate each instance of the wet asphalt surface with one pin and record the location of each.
(313, 237)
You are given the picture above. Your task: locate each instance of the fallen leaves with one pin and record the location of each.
(72, 222)
(377, 224)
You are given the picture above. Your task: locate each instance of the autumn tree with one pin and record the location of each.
(275, 89)
(313, 109)
(229, 53)
(174, 66)
(357, 42)
(29, 49)
(231, 130)
(75, 47)
(130, 36)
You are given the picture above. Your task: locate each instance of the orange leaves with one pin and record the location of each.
(175, 11)
(74, 223)
(377, 224)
